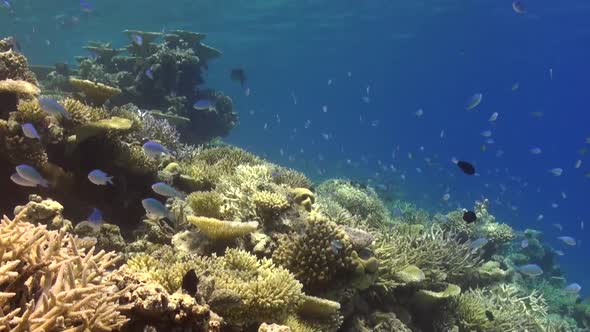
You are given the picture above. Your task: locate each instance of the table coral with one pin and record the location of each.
(93, 92)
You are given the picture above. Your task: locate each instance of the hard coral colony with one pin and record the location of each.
(214, 238)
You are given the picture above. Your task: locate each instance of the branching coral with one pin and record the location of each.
(14, 65)
(512, 309)
(238, 191)
(205, 203)
(360, 202)
(290, 177)
(436, 252)
(47, 283)
(269, 204)
(265, 292)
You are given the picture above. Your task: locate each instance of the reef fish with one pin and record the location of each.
(573, 288)
(30, 131)
(469, 217)
(535, 150)
(570, 241)
(154, 149)
(477, 244)
(531, 270)
(493, 117)
(466, 167)
(190, 282)
(167, 190)
(20, 181)
(556, 171)
(204, 105)
(524, 243)
(154, 208)
(474, 101)
(336, 246)
(51, 106)
(489, 315)
(100, 178)
(137, 39)
(238, 74)
(518, 7)
(95, 217)
(30, 174)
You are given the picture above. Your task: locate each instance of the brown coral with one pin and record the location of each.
(14, 66)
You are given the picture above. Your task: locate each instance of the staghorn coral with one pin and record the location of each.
(290, 177)
(48, 283)
(205, 203)
(222, 230)
(362, 202)
(436, 252)
(312, 255)
(81, 113)
(513, 309)
(238, 190)
(269, 204)
(265, 292)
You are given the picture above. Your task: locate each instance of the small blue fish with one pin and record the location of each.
(154, 208)
(336, 246)
(573, 288)
(148, 72)
(30, 131)
(6, 4)
(86, 7)
(51, 106)
(166, 190)
(137, 39)
(30, 174)
(20, 181)
(398, 213)
(204, 105)
(479, 243)
(570, 241)
(154, 149)
(99, 178)
(474, 101)
(531, 270)
(524, 243)
(95, 217)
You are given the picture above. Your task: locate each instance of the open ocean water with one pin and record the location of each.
(378, 90)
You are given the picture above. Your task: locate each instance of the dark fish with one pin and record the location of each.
(190, 281)
(469, 217)
(490, 315)
(466, 167)
(239, 75)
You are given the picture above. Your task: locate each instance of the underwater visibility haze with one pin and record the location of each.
(294, 165)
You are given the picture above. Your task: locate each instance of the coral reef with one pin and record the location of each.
(48, 283)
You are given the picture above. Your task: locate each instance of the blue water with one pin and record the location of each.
(409, 55)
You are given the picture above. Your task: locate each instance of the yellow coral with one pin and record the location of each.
(205, 203)
(81, 113)
(221, 229)
(49, 284)
(269, 204)
(94, 92)
(303, 197)
(319, 255)
(21, 88)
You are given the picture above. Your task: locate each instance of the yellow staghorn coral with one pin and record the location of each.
(205, 203)
(269, 204)
(237, 190)
(222, 230)
(290, 177)
(259, 290)
(513, 308)
(21, 88)
(81, 113)
(49, 284)
(438, 253)
(94, 93)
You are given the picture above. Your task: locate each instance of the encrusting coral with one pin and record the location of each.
(47, 283)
